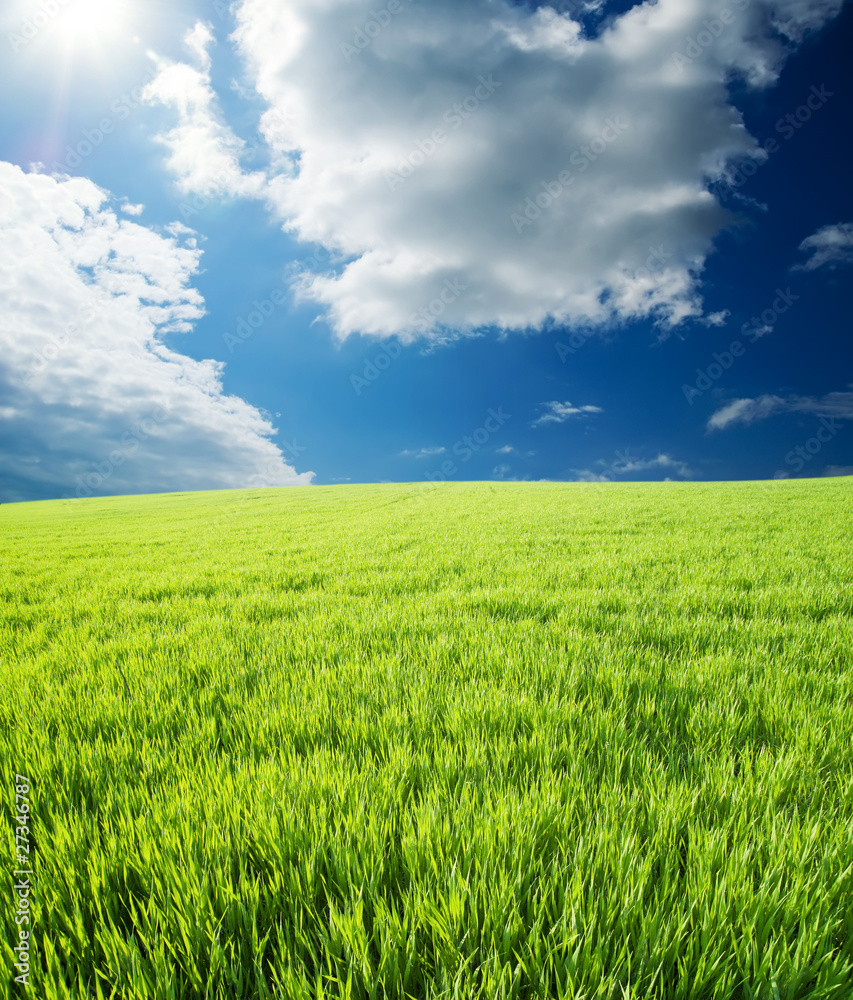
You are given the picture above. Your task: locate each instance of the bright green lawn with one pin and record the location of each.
(483, 741)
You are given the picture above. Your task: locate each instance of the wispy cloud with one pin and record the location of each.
(558, 413)
(744, 411)
(716, 318)
(423, 452)
(830, 246)
(747, 411)
(626, 465)
(509, 449)
(588, 476)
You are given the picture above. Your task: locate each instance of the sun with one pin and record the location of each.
(95, 23)
(85, 44)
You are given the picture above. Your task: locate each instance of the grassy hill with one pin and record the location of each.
(473, 740)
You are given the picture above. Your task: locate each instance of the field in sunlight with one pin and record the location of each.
(482, 740)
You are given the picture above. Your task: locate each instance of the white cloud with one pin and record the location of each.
(508, 449)
(761, 331)
(744, 411)
(838, 405)
(198, 40)
(588, 476)
(831, 245)
(423, 452)
(408, 147)
(558, 413)
(717, 318)
(838, 470)
(795, 18)
(626, 465)
(501, 471)
(129, 209)
(833, 404)
(661, 461)
(204, 153)
(95, 399)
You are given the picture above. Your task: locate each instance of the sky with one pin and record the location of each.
(295, 242)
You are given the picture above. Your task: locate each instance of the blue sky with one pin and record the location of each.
(277, 242)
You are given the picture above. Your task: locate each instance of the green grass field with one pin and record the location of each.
(483, 741)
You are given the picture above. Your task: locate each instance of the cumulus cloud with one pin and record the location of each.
(474, 163)
(747, 411)
(558, 413)
(831, 245)
(204, 153)
(94, 400)
(838, 470)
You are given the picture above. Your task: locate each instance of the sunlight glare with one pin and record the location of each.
(95, 23)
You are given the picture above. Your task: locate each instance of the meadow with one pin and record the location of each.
(483, 740)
